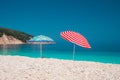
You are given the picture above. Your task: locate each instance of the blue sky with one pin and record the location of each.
(97, 20)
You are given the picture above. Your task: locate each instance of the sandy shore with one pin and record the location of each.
(24, 68)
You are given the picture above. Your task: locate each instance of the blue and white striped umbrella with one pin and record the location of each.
(41, 39)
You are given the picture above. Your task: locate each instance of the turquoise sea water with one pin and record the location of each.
(33, 51)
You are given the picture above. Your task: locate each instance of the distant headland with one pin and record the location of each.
(9, 36)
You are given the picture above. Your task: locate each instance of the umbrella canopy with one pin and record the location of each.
(41, 39)
(75, 38)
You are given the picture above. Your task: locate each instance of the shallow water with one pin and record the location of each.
(33, 51)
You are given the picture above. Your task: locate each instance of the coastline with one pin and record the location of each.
(25, 68)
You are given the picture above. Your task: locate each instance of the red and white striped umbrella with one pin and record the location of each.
(75, 38)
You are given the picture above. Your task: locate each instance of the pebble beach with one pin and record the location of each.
(25, 68)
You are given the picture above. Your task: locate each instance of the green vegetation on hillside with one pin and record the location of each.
(17, 34)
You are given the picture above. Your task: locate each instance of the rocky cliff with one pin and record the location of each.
(9, 36)
(9, 40)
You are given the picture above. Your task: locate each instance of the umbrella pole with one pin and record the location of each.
(41, 50)
(73, 51)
